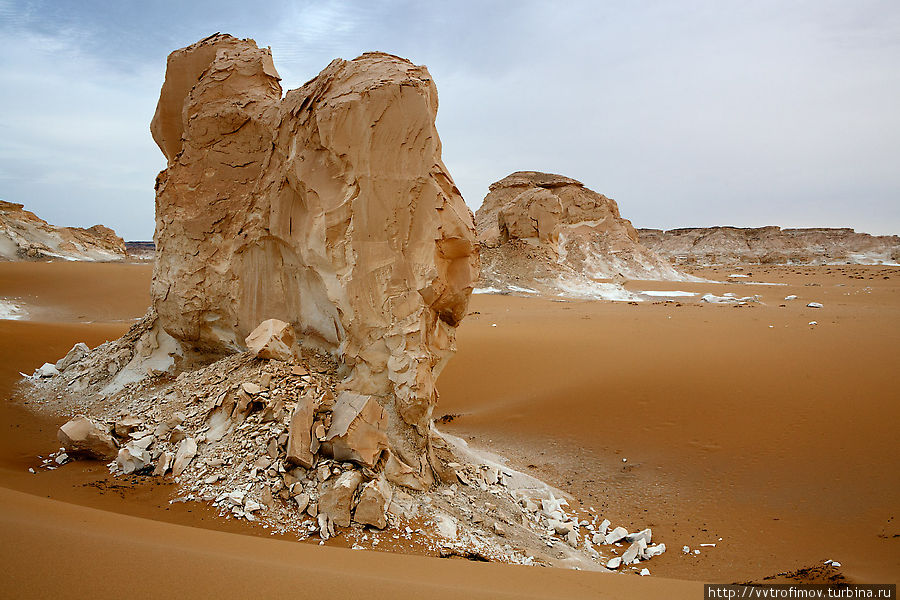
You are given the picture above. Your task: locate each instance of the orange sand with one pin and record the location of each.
(778, 440)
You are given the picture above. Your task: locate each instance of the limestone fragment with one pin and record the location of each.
(164, 463)
(127, 424)
(299, 433)
(616, 535)
(187, 449)
(358, 430)
(132, 458)
(78, 351)
(83, 437)
(46, 370)
(335, 503)
(634, 551)
(374, 498)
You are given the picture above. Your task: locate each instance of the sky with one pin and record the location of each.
(687, 113)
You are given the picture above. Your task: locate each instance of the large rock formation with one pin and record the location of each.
(25, 236)
(771, 245)
(329, 209)
(550, 232)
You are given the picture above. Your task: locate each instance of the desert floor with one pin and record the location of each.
(741, 423)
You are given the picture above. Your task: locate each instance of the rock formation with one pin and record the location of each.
(314, 259)
(550, 233)
(328, 210)
(25, 236)
(771, 245)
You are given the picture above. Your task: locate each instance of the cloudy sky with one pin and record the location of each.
(688, 113)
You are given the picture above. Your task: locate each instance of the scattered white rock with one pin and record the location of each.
(644, 572)
(84, 437)
(187, 450)
(616, 535)
(46, 370)
(815, 305)
(614, 563)
(791, 297)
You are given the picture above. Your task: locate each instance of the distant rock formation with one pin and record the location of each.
(25, 236)
(771, 245)
(550, 234)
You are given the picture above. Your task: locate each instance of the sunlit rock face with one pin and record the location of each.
(328, 208)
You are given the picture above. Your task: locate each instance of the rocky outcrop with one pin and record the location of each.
(546, 232)
(25, 236)
(771, 245)
(329, 215)
(85, 437)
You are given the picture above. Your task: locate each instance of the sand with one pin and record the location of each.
(779, 440)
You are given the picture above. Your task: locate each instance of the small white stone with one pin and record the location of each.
(644, 572)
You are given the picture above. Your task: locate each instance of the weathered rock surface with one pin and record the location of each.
(771, 245)
(336, 503)
(25, 236)
(78, 351)
(546, 232)
(374, 498)
(187, 450)
(330, 210)
(299, 451)
(272, 339)
(83, 437)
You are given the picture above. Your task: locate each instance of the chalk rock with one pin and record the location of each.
(374, 498)
(186, 452)
(335, 503)
(655, 550)
(815, 305)
(78, 351)
(132, 458)
(327, 208)
(163, 464)
(614, 563)
(46, 370)
(86, 438)
(400, 473)
(616, 535)
(272, 339)
(302, 501)
(644, 534)
(126, 425)
(299, 432)
(633, 554)
(358, 430)
(537, 228)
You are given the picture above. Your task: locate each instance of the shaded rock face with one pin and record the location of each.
(329, 209)
(25, 236)
(771, 245)
(563, 229)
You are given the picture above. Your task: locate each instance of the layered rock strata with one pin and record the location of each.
(771, 245)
